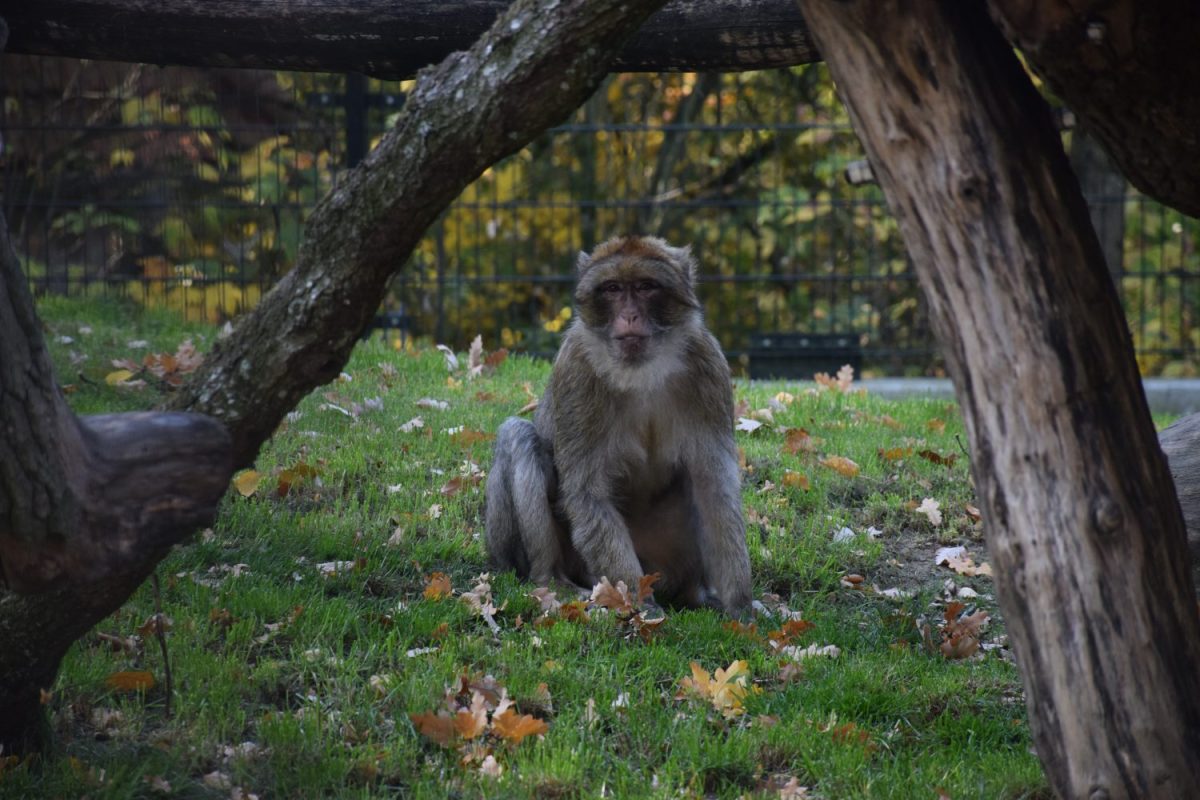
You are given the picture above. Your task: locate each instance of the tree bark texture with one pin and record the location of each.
(535, 66)
(87, 506)
(382, 38)
(1128, 70)
(1082, 522)
(1181, 443)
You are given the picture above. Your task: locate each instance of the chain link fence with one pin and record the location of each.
(188, 189)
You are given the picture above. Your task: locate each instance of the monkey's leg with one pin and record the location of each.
(717, 490)
(522, 532)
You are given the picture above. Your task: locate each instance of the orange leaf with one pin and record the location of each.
(515, 727)
(797, 440)
(936, 425)
(973, 513)
(795, 480)
(438, 727)
(470, 723)
(495, 359)
(841, 465)
(895, 453)
(135, 681)
(438, 586)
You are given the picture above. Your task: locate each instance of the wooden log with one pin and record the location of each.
(1082, 522)
(383, 38)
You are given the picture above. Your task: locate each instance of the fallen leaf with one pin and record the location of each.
(467, 437)
(436, 727)
(748, 425)
(795, 480)
(973, 513)
(936, 458)
(132, 681)
(936, 425)
(797, 440)
(117, 377)
(930, 509)
(841, 465)
(438, 586)
(514, 727)
(895, 453)
(246, 482)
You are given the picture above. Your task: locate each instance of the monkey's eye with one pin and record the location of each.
(647, 286)
(611, 287)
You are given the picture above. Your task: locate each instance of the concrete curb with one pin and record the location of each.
(1166, 395)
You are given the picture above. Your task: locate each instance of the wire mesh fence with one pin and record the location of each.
(188, 189)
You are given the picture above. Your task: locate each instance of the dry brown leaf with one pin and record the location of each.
(514, 727)
(973, 513)
(605, 595)
(895, 453)
(438, 586)
(795, 480)
(436, 727)
(841, 465)
(646, 586)
(797, 440)
(467, 437)
(936, 426)
(937, 458)
(131, 681)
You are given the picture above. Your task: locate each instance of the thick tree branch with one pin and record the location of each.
(536, 65)
(1081, 516)
(382, 38)
(1128, 69)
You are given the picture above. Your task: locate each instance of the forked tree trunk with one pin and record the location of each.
(87, 508)
(1081, 517)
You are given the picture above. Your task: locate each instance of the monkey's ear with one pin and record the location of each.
(582, 262)
(687, 261)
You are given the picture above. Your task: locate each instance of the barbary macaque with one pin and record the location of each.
(629, 466)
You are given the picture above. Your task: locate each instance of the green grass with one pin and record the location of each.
(319, 674)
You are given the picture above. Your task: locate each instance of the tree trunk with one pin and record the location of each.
(1081, 517)
(1181, 444)
(1128, 69)
(383, 38)
(87, 509)
(87, 506)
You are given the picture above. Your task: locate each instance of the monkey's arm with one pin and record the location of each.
(716, 480)
(717, 485)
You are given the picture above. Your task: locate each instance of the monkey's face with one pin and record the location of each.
(632, 301)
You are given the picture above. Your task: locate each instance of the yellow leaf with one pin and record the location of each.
(438, 586)
(841, 465)
(119, 376)
(134, 681)
(246, 482)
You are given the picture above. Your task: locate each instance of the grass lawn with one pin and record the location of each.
(312, 645)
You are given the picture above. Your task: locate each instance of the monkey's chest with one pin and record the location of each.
(648, 461)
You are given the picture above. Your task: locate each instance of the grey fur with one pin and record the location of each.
(629, 465)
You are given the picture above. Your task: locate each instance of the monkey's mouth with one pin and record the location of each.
(633, 347)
